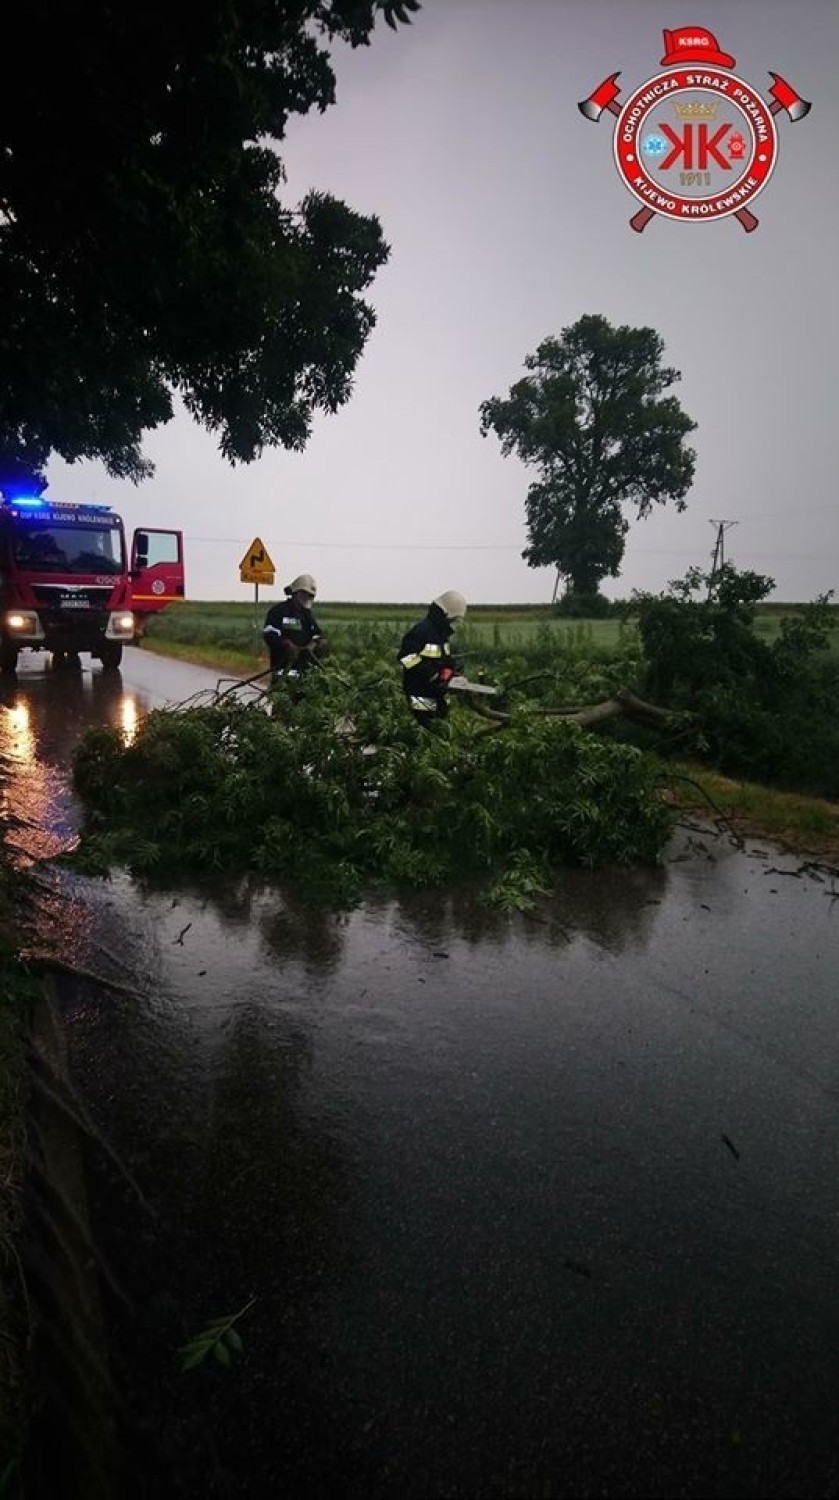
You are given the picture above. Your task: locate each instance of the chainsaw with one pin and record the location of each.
(463, 685)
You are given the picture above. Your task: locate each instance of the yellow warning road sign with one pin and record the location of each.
(256, 566)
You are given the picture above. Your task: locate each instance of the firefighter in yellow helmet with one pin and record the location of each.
(291, 632)
(426, 658)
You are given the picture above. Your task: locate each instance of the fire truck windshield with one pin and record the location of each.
(58, 547)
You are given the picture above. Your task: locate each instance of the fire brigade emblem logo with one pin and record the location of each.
(695, 142)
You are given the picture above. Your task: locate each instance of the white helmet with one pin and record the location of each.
(304, 583)
(452, 604)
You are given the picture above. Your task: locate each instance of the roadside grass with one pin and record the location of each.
(204, 654)
(807, 825)
(17, 990)
(11, 1158)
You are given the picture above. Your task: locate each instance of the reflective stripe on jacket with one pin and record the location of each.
(292, 624)
(423, 653)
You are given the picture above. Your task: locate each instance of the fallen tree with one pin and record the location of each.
(342, 788)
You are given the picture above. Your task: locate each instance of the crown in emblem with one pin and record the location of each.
(696, 111)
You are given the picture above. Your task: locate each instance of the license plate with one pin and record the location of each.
(74, 604)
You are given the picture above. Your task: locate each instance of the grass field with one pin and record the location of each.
(237, 627)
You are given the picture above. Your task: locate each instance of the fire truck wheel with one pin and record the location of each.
(111, 657)
(8, 656)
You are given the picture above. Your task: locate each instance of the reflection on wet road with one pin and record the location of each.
(538, 1207)
(43, 714)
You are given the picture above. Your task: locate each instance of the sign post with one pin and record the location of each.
(256, 567)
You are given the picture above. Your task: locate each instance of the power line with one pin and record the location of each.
(785, 515)
(235, 541)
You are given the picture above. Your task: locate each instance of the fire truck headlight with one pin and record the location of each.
(120, 625)
(23, 622)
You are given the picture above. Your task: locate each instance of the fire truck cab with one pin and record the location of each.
(68, 584)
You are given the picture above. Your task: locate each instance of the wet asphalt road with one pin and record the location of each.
(542, 1207)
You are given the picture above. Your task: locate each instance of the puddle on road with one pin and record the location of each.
(43, 715)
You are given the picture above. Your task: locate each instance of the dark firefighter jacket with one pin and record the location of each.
(427, 664)
(290, 622)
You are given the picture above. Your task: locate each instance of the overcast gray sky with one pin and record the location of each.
(507, 221)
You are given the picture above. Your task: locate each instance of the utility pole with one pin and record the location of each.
(718, 555)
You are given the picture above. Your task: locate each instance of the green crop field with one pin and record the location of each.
(233, 628)
(237, 627)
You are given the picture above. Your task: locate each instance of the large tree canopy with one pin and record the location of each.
(143, 247)
(592, 418)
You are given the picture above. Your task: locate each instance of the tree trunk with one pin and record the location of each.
(623, 704)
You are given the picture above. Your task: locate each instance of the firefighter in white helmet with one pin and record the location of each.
(426, 658)
(292, 634)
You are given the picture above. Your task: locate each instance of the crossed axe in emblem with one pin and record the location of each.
(605, 96)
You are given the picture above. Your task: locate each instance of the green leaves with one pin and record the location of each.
(220, 1341)
(520, 886)
(153, 144)
(593, 420)
(341, 790)
(396, 11)
(760, 709)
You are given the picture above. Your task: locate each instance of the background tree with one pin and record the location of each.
(762, 704)
(143, 247)
(592, 418)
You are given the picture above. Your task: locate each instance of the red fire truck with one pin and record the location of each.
(68, 584)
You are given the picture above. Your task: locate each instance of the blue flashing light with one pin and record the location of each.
(33, 502)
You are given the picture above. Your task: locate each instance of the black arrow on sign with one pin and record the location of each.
(257, 557)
